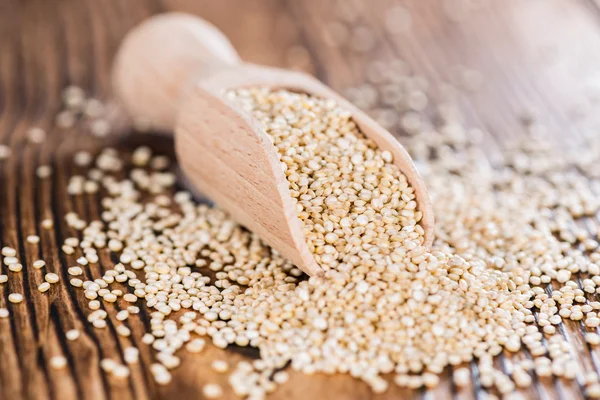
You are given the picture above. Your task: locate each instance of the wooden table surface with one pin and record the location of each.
(534, 56)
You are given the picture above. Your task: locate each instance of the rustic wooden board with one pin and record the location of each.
(540, 55)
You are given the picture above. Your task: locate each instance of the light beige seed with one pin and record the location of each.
(461, 377)
(99, 324)
(75, 271)
(124, 331)
(115, 245)
(94, 108)
(58, 362)
(220, 366)
(72, 241)
(10, 260)
(72, 335)
(73, 97)
(593, 391)
(36, 135)
(94, 305)
(281, 377)
(17, 267)
(82, 158)
(5, 152)
(162, 378)
(141, 156)
(121, 372)
(44, 287)
(68, 249)
(148, 339)
(9, 252)
(592, 338)
(90, 294)
(563, 275)
(76, 282)
(592, 322)
(133, 310)
(111, 298)
(4, 313)
(51, 277)
(160, 163)
(33, 239)
(195, 345)
(100, 127)
(130, 298)
(162, 268)
(15, 298)
(122, 315)
(131, 355)
(43, 171)
(108, 365)
(212, 391)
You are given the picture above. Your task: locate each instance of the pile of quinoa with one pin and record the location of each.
(356, 207)
(511, 259)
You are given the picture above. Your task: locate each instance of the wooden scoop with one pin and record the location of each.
(173, 70)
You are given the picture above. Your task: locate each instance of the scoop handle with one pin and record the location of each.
(162, 56)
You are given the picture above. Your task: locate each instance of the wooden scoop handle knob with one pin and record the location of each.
(160, 58)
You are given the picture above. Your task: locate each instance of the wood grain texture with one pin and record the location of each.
(534, 55)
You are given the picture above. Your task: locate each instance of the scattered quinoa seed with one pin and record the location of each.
(141, 156)
(51, 277)
(9, 252)
(100, 127)
(58, 362)
(33, 239)
(121, 372)
(196, 345)
(43, 171)
(16, 267)
(36, 135)
(131, 355)
(15, 298)
(461, 377)
(5, 152)
(82, 159)
(592, 338)
(44, 287)
(72, 335)
(281, 377)
(94, 108)
(220, 366)
(212, 391)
